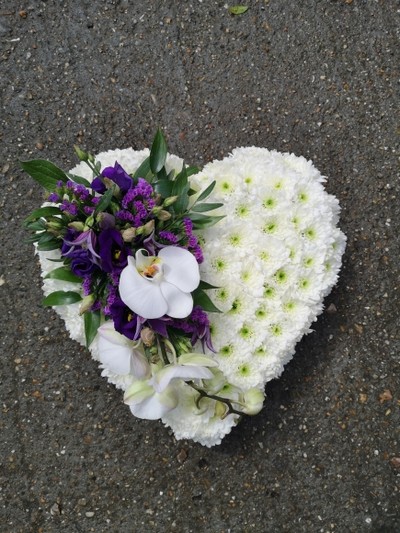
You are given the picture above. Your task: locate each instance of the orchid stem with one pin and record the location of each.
(204, 394)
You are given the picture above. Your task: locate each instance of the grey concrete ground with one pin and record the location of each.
(314, 77)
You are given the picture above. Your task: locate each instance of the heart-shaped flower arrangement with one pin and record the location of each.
(196, 354)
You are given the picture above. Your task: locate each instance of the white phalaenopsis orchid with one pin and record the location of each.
(153, 398)
(120, 355)
(154, 286)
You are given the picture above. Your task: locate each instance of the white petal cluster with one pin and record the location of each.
(274, 257)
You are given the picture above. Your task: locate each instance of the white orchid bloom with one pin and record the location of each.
(154, 286)
(153, 398)
(120, 355)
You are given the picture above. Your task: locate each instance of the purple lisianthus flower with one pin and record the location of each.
(126, 321)
(116, 174)
(82, 264)
(113, 251)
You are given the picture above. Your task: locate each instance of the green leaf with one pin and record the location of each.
(38, 225)
(61, 298)
(53, 244)
(44, 172)
(180, 183)
(63, 273)
(181, 188)
(43, 212)
(104, 202)
(203, 300)
(79, 179)
(92, 323)
(33, 238)
(206, 286)
(204, 221)
(47, 242)
(163, 187)
(238, 10)
(158, 152)
(201, 208)
(143, 169)
(190, 171)
(206, 192)
(162, 174)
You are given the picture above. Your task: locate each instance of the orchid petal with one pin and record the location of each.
(180, 268)
(162, 379)
(144, 402)
(179, 304)
(142, 296)
(119, 355)
(138, 392)
(140, 367)
(107, 331)
(115, 356)
(196, 359)
(156, 406)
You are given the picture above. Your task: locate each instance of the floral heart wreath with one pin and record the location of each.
(191, 288)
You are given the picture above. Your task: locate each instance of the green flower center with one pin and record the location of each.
(245, 370)
(226, 350)
(281, 276)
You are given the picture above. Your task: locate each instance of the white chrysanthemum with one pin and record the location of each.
(293, 253)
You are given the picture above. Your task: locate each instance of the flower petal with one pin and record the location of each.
(138, 392)
(180, 268)
(140, 367)
(156, 405)
(179, 304)
(197, 359)
(142, 296)
(114, 353)
(163, 377)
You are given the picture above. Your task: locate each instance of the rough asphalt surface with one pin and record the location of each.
(316, 78)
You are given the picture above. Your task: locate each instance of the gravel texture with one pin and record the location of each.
(316, 78)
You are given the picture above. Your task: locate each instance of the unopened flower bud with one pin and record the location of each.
(147, 335)
(79, 226)
(220, 410)
(253, 400)
(164, 215)
(82, 156)
(110, 184)
(86, 303)
(54, 224)
(129, 234)
(147, 228)
(170, 200)
(183, 345)
(89, 222)
(105, 220)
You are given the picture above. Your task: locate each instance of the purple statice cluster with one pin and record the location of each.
(197, 325)
(137, 204)
(192, 241)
